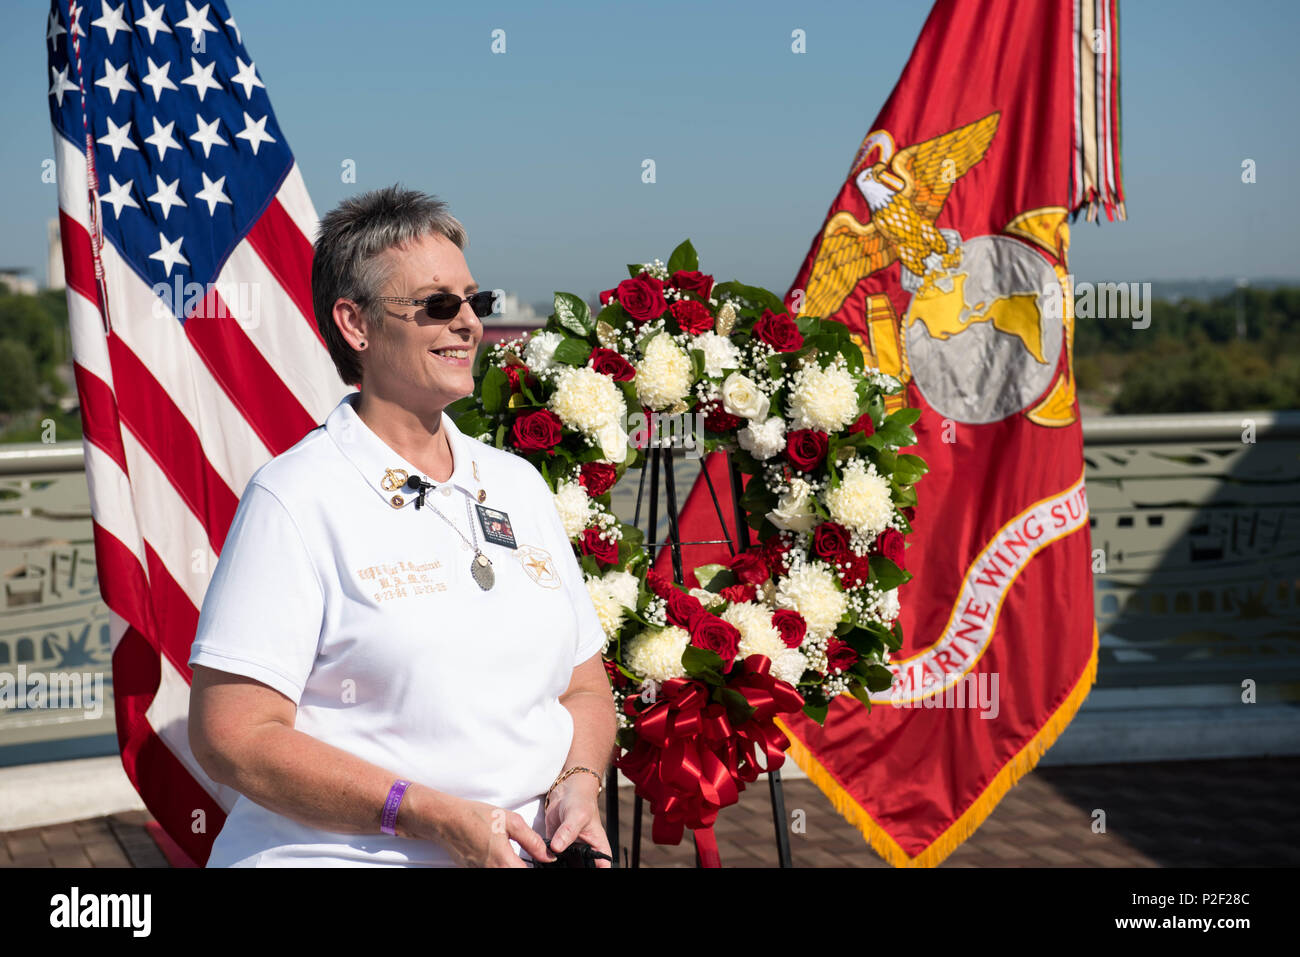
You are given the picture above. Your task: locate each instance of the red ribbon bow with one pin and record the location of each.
(689, 762)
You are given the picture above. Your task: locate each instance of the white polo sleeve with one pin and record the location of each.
(590, 638)
(264, 608)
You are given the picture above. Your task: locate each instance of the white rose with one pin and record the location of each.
(794, 512)
(742, 397)
(763, 439)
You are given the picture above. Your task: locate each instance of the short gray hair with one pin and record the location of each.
(348, 262)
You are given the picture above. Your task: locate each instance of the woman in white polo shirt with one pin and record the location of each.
(397, 662)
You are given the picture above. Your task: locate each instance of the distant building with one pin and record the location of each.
(54, 257)
(17, 280)
(512, 319)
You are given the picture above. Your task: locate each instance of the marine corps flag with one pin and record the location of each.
(945, 252)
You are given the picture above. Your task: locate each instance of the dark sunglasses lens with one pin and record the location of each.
(482, 303)
(442, 305)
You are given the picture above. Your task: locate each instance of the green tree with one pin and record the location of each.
(18, 382)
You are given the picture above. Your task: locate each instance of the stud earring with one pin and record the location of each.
(363, 343)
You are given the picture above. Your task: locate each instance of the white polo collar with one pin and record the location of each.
(384, 470)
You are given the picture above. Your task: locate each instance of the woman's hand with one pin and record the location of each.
(479, 835)
(574, 815)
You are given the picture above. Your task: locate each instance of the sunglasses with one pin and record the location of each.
(445, 305)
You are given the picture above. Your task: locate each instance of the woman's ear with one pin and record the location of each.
(352, 323)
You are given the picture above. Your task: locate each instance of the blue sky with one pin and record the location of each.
(539, 150)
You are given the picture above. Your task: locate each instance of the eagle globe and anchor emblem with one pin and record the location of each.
(988, 315)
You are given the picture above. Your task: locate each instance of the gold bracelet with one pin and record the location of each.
(600, 783)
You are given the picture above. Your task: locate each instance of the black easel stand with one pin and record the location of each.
(662, 458)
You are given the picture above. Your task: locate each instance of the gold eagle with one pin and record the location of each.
(905, 194)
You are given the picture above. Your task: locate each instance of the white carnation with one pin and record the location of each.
(794, 512)
(540, 351)
(593, 404)
(608, 611)
(742, 396)
(862, 499)
(763, 439)
(810, 589)
(823, 399)
(758, 636)
(789, 666)
(720, 353)
(663, 377)
(574, 506)
(657, 654)
(890, 606)
(622, 587)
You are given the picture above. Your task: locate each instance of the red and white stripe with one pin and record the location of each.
(176, 419)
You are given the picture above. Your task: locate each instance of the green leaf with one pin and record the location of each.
(702, 663)
(909, 469)
(893, 432)
(738, 709)
(906, 416)
(573, 352)
(885, 575)
(756, 296)
(683, 259)
(614, 315)
(572, 314)
(635, 269)
(879, 678)
(817, 712)
(472, 422)
(704, 574)
(495, 390)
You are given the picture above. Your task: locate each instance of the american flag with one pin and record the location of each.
(186, 231)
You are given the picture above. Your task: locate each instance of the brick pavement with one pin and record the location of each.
(1175, 814)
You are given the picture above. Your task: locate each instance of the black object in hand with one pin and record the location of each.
(577, 854)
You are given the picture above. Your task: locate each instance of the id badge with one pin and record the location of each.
(496, 526)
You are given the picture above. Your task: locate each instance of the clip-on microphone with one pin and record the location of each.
(418, 485)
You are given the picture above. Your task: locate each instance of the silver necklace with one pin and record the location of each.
(480, 566)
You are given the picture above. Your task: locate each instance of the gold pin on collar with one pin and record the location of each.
(393, 479)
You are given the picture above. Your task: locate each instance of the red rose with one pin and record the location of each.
(711, 632)
(739, 593)
(910, 514)
(519, 373)
(717, 419)
(695, 282)
(750, 568)
(606, 296)
(830, 541)
(597, 477)
(691, 316)
(600, 549)
(840, 655)
(806, 448)
(616, 677)
(779, 331)
(863, 425)
(890, 544)
(854, 569)
(683, 608)
(774, 550)
(610, 363)
(537, 431)
(658, 584)
(642, 298)
(791, 626)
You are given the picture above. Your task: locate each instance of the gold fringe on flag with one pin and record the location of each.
(1017, 767)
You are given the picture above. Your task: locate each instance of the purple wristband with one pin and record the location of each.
(388, 823)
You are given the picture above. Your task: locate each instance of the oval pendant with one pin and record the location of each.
(480, 570)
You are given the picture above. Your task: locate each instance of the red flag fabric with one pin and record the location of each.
(186, 231)
(945, 251)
